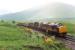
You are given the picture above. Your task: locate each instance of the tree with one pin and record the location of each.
(2, 21)
(13, 22)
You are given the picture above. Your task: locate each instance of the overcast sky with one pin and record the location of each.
(10, 6)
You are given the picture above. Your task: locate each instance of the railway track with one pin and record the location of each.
(70, 38)
(69, 41)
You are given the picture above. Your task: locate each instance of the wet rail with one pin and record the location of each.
(69, 42)
(70, 38)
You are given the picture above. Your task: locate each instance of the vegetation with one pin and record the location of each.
(13, 22)
(13, 37)
(2, 21)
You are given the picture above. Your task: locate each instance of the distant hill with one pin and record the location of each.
(55, 11)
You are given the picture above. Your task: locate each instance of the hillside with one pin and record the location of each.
(49, 12)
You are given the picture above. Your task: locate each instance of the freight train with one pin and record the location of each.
(55, 29)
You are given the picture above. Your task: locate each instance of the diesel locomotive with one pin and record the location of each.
(55, 29)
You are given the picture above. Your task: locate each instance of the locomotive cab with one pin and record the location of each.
(57, 30)
(62, 31)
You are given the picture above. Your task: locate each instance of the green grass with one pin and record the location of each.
(15, 38)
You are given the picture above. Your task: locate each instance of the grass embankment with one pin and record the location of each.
(15, 38)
